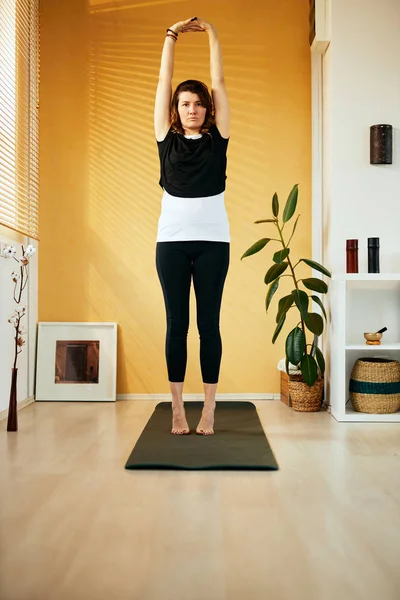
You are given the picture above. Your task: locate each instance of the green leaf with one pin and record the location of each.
(291, 204)
(316, 266)
(314, 323)
(318, 301)
(265, 221)
(274, 272)
(294, 229)
(316, 285)
(301, 300)
(320, 360)
(278, 329)
(275, 205)
(295, 345)
(284, 304)
(256, 247)
(309, 369)
(281, 255)
(271, 291)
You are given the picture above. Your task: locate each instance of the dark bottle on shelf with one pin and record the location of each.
(351, 256)
(373, 255)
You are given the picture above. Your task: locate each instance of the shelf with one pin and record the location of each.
(381, 348)
(361, 302)
(354, 416)
(366, 276)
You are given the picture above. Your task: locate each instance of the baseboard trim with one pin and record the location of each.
(197, 397)
(20, 406)
(165, 398)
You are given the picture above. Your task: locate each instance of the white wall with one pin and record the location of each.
(26, 360)
(358, 80)
(362, 79)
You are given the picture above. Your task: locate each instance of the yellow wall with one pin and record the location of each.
(100, 198)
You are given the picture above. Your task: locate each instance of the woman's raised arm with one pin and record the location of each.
(162, 106)
(218, 89)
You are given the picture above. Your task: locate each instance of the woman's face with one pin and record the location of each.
(191, 112)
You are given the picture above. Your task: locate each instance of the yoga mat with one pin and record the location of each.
(239, 442)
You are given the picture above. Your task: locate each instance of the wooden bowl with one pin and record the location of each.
(372, 337)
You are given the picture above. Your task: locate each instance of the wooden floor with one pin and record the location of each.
(74, 525)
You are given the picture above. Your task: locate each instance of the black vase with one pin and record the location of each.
(12, 422)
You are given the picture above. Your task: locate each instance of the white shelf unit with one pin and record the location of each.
(360, 302)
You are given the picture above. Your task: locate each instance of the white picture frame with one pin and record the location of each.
(76, 362)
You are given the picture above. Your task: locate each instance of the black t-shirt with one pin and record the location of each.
(193, 168)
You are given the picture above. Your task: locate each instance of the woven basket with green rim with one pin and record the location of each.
(375, 385)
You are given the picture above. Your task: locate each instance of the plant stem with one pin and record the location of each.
(16, 341)
(292, 270)
(22, 285)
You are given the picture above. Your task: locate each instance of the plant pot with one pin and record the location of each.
(305, 398)
(12, 422)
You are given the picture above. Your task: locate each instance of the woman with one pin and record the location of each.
(193, 238)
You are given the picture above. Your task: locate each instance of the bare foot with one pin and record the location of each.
(206, 424)
(179, 424)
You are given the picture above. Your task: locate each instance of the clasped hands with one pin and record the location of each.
(192, 25)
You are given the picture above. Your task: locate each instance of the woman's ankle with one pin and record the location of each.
(209, 405)
(176, 393)
(177, 405)
(210, 391)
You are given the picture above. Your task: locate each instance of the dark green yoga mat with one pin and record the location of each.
(239, 442)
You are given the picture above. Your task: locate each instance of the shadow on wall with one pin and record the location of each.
(124, 56)
(110, 201)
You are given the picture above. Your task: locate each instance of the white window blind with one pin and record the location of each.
(19, 108)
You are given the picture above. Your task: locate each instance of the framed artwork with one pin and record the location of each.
(76, 361)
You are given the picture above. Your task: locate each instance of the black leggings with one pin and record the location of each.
(208, 263)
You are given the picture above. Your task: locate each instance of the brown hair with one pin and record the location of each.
(199, 88)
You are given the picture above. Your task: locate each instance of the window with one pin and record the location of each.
(19, 107)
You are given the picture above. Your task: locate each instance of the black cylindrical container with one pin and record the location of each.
(351, 256)
(373, 255)
(380, 145)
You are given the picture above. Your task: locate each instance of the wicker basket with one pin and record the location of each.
(375, 385)
(305, 398)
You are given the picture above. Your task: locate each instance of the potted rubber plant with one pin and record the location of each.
(301, 347)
